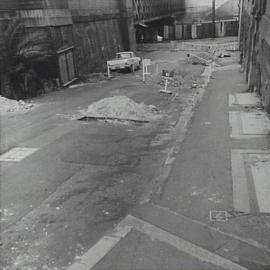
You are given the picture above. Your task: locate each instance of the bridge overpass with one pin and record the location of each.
(152, 10)
(183, 19)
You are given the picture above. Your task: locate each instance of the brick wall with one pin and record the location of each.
(255, 47)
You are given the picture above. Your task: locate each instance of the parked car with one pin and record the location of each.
(124, 60)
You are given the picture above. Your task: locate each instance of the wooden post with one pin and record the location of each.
(240, 21)
(213, 18)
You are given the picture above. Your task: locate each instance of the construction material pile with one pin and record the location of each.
(13, 106)
(121, 107)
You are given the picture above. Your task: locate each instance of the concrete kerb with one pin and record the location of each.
(180, 131)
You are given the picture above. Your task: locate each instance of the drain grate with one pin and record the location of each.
(218, 215)
(113, 120)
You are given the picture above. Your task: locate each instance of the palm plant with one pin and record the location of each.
(19, 54)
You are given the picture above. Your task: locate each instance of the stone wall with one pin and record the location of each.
(255, 47)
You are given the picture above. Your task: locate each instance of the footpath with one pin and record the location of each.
(212, 212)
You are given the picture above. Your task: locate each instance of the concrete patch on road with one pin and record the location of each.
(244, 99)
(251, 182)
(249, 124)
(17, 154)
(107, 243)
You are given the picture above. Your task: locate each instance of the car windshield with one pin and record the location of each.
(124, 55)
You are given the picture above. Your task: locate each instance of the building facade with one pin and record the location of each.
(255, 47)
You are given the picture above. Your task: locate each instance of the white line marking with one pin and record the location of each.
(17, 154)
(240, 185)
(107, 243)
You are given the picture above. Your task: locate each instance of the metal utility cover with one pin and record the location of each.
(218, 215)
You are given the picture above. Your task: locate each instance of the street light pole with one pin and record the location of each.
(213, 18)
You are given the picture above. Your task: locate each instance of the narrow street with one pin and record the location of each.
(201, 218)
(71, 181)
(104, 195)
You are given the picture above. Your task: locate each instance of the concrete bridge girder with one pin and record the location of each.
(150, 10)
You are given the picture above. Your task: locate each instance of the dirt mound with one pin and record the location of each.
(13, 106)
(121, 107)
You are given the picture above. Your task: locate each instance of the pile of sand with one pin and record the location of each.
(121, 107)
(13, 106)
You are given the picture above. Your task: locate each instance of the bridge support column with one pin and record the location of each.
(127, 25)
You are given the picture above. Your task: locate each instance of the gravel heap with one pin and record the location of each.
(13, 106)
(121, 107)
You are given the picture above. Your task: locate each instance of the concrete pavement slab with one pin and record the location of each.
(251, 182)
(244, 99)
(17, 154)
(247, 125)
(261, 175)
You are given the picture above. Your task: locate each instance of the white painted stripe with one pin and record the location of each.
(235, 125)
(17, 154)
(261, 179)
(240, 185)
(184, 246)
(107, 243)
(241, 159)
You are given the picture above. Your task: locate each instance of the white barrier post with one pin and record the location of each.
(109, 71)
(146, 63)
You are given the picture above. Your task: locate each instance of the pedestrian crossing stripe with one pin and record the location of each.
(17, 154)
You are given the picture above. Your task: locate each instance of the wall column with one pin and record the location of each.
(127, 25)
